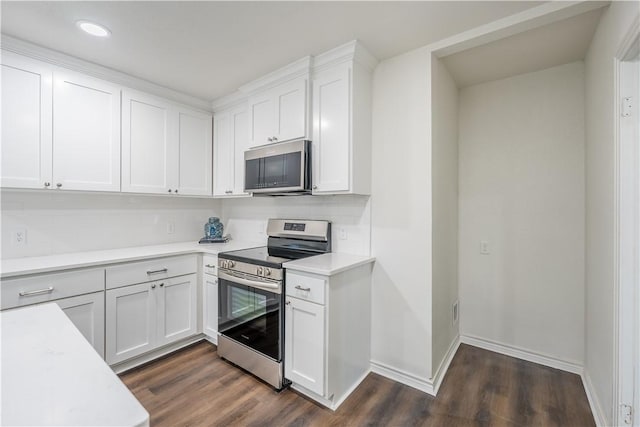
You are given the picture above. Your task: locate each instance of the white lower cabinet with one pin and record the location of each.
(327, 332)
(143, 317)
(87, 314)
(304, 346)
(210, 298)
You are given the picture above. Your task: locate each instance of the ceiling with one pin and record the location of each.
(208, 49)
(554, 44)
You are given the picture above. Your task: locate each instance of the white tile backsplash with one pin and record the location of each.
(246, 218)
(73, 222)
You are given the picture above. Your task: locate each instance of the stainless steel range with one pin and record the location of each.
(251, 295)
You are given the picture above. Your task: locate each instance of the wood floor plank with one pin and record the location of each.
(194, 387)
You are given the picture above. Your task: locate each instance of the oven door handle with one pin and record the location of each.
(272, 287)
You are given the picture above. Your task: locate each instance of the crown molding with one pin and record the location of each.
(234, 99)
(350, 51)
(299, 68)
(59, 59)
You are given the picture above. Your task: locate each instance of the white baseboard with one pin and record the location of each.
(524, 354)
(438, 377)
(402, 377)
(594, 403)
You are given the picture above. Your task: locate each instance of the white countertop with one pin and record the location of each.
(44, 264)
(328, 264)
(51, 376)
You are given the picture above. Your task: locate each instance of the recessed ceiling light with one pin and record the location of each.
(93, 29)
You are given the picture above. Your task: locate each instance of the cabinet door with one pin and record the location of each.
(194, 153)
(305, 344)
(26, 123)
(149, 150)
(240, 145)
(86, 133)
(223, 154)
(210, 306)
(87, 313)
(262, 120)
(177, 311)
(290, 101)
(331, 131)
(130, 321)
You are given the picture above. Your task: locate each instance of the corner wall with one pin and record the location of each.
(522, 191)
(600, 212)
(444, 175)
(401, 218)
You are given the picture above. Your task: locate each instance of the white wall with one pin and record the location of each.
(600, 221)
(522, 190)
(58, 222)
(444, 174)
(246, 218)
(401, 216)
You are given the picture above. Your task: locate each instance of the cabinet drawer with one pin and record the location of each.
(309, 288)
(145, 271)
(48, 287)
(210, 264)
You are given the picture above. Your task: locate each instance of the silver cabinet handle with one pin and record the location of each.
(38, 292)
(153, 286)
(228, 192)
(288, 303)
(210, 265)
(163, 270)
(59, 185)
(275, 139)
(300, 288)
(47, 184)
(175, 191)
(169, 191)
(315, 187)
(162, 285)
(270, 139)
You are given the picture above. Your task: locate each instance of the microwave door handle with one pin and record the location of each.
(247, 282)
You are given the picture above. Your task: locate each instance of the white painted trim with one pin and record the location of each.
(544, 14)
(402, 377)
(594, 403)
(338, 402)
(60, 59)
(298, 68)
(229, 101)
(311, 395)
(126, 365)
(524, 354)
(350, 51)
(441, 372)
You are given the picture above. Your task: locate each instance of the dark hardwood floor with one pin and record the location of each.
(194, 387)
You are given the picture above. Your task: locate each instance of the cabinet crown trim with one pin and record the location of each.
(59, 59)
(232, 100)
(351, 51)
(299, 68)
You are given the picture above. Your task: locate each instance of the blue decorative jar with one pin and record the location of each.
(213, 228)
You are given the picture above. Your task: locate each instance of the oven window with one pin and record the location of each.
(281, 171)
(250, 316)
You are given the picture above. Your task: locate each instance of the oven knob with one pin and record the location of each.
(267, 271)
(259, 271)
(230, 264)
(224, 263)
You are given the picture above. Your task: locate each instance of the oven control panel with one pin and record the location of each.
(253, 269)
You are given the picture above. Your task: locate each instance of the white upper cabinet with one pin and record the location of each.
(229, 144)
(341, 92)
(279, 105)
(60, 129)
(86, 133)
(26, 123)
(166, 148)
(148, 151)
(194, 152)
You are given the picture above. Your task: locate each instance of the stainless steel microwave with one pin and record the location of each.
(278, 169)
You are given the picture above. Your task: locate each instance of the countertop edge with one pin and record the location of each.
(298, 266)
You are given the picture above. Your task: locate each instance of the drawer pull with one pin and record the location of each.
(300, 288)
(163, 270)
(210, 265)
(38, 292)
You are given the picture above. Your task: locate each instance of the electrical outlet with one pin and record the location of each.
(484, 247)
(342, 234)
(456, 312)
(19, 237)
(171, 227)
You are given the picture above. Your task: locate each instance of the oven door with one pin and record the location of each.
(251, 315)
(278, 168)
